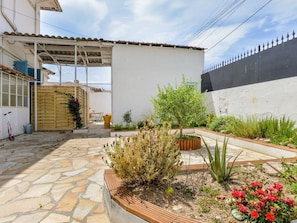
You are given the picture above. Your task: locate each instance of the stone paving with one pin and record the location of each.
(55, 177)
(52, 177)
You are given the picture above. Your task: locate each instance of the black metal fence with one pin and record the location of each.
(274, 60)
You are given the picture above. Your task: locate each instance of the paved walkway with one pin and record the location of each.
(52, 177)
(55, 177)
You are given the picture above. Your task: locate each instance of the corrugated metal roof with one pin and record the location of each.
(92, 52)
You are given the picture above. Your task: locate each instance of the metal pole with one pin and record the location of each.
(35, 86)
(75, 71)
(60, 73)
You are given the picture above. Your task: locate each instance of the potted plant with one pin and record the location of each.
(182, 105)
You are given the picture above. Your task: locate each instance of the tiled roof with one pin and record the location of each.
(16, 72)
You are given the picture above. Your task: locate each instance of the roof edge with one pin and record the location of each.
(122, 42)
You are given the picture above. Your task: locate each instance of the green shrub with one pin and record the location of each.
(221, 123)
(127, 117)
(146, 158)
(209, 119)
(286, 132)
(248, 128)
(218, 163)
(118, 127)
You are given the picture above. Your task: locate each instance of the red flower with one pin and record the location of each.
(238, 194)
(243, 209)
(272, 197)
(270, 217)
(289, 201)
(254, 214)
(278, 186)
(272, 209)
(256, 184)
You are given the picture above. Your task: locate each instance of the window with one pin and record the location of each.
(20, 92)
(25, 87)
(5, 89)
(12, 91)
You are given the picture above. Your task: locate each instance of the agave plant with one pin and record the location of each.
(217, 164)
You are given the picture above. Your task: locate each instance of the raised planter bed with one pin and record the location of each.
(124, 207)
(250, 144)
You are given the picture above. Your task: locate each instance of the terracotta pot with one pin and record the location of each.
(189, 144)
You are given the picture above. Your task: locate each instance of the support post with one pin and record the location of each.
(35, 87)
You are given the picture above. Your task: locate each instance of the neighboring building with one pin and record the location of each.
(136, 68)
(19, 16)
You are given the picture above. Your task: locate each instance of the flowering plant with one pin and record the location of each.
(74, 107)
(261, 205)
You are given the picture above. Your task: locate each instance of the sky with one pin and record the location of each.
(225, 28)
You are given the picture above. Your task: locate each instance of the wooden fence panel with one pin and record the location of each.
(52, 107)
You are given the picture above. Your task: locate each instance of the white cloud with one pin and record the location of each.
(174, 21)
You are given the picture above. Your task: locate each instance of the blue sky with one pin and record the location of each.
(225, 28)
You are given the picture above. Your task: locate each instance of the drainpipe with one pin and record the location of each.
(12, 25)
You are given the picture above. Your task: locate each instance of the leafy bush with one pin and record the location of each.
(220, 124)
(218, 163)
(145, 158)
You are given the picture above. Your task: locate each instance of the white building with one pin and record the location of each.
(18, 16)
(136, 68)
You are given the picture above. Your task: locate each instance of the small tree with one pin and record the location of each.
(183, 105)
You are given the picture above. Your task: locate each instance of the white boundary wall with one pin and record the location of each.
(100, 102)
(277, 98)
(138, 70)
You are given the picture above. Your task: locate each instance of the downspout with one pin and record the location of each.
(12, 25)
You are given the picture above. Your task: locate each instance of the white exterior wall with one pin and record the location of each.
(100, 102)
(21, 14)
(23, 17)
(18, 118)
(277, 98)
(138, 70)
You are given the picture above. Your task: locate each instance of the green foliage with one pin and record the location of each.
(210, 191)
(74, 108)
(279, 131)
(248, 128)
(268, 126)
(181, 104)
(286, 132)
(209, 119)
(218, 163)
(289, 174)
(118, 127)
(146, 158)
(127, 117)
(169, 190)
(221, 123)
